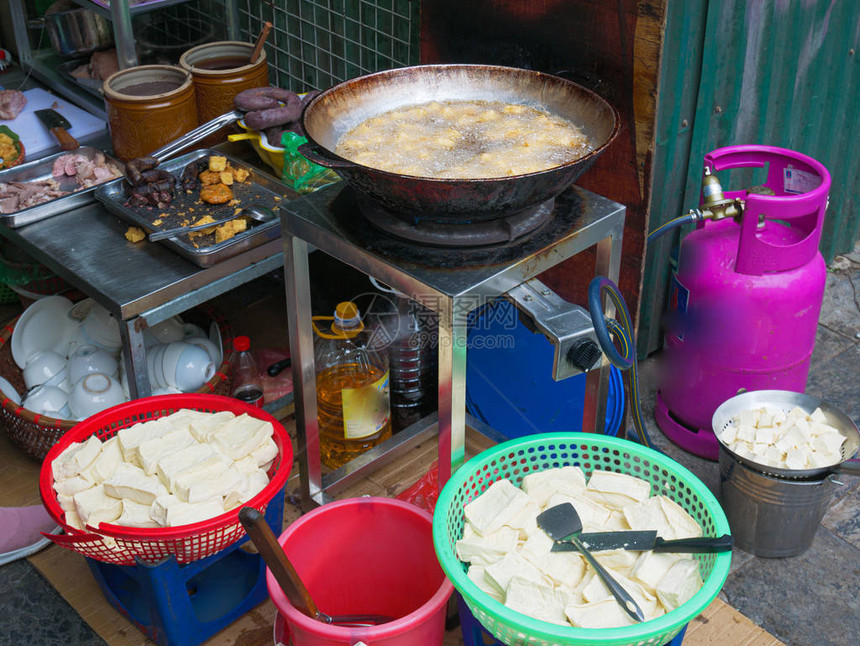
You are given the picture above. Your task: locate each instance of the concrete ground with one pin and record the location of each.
(809, 599)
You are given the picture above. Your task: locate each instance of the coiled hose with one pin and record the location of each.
(605, 328)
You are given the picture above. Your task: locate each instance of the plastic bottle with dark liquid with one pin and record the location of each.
(353, 407)
(247, 386)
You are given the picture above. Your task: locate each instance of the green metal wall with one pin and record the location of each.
(775, 72)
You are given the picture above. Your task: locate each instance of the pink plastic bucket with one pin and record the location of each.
(366, 555)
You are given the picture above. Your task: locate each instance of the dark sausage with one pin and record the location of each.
(262, 98)
(262, 119)
(135, 168)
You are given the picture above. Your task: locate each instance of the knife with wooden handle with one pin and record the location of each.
(59, 127)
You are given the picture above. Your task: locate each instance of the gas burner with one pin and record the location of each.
(339, 205)
(465, 233)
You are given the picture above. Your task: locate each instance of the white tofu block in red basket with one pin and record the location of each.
(202, 471)
(536, 600)
(131, 436)
(72, 519)
(185, 513)
(255, 483)
(500, 503)
(242, 435)
(247, 465)
(76, 458)
(543, 484)
(197, 490)
(131, 482)
(204, 426)
(135, 514)
(106, 463)
(265, 453)
(94, 506)
(158, 508)
(198, 456)
(679, 584)
(71, 486)
(66, 501)
(152, 450)
(601, 614)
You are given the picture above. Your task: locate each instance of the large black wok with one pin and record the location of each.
(342, 107)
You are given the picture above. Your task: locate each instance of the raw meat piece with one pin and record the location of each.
(11, 103)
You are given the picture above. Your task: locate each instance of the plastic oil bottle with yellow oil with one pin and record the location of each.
(353, 406)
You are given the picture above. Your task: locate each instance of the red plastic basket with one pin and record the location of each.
(129, 545)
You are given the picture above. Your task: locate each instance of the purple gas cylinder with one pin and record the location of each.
(747, 293)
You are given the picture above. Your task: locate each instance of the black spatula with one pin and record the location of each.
(561, 523)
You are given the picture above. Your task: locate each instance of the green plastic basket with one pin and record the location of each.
(517, 458)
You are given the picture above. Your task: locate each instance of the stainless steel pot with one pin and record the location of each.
(77, 31)
(340, 108)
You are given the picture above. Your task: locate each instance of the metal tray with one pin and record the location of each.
(40, 169)
(258, 188)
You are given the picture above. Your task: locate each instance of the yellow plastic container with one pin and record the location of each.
(273, 156)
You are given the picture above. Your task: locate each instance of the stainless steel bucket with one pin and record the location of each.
(771, 517)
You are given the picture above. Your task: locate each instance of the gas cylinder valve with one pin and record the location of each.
(715, 206)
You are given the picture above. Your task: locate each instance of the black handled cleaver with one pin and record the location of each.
(647, 540)
(59, 127)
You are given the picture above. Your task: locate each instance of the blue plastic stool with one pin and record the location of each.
(475, 635)
(184, 605)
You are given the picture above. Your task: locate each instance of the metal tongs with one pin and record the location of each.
(193, 136)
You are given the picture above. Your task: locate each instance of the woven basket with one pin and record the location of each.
(36, 434)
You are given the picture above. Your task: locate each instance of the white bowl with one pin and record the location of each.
(166, 391)
(44, 325)
(211, 349)
(90, 358)
(42, 367)
(187, 367)
(166, 332)
(45, 400)
(93, 394)
(192, 331)
(154, 356)
(102, 329)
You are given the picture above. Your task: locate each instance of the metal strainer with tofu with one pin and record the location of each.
(786, 401)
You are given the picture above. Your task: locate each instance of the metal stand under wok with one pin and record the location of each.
(450, 281)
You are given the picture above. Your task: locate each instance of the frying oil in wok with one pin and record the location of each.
(464, 140)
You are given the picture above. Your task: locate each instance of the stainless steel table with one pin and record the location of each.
(139, 284)
(452, 283)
